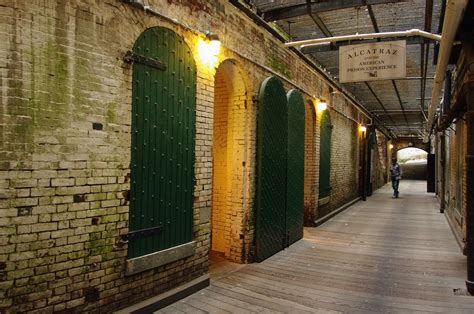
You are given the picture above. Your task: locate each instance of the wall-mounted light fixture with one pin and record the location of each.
(321, 105)
(362, 128)
(209, 48)
(391, 146)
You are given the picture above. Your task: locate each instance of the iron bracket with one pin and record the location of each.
(140, 234)
(131, 57)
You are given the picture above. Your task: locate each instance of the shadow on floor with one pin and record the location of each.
(220, 267)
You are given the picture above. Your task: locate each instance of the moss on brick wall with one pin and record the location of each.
(65, 117)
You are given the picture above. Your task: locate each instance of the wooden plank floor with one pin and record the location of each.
(382, 255)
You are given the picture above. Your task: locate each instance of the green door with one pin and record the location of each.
(272, 141)
(325, 156)
(162, 156)
(295, 196)
(371, 141)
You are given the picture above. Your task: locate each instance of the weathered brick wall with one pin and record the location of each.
(344, 163)
(65, 117)
(65, 158)
(239, 189)
(229, 200)
(220, 205)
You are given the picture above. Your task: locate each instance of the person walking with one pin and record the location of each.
(395, 174)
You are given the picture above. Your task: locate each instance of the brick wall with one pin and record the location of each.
(310, 169)
(65, 116)
(230, 183)
(220, 204)
(65, 154)
(344, 163)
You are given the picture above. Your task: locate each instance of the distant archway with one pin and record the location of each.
(408, 142)
(413, 163)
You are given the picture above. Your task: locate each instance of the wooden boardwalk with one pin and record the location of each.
(382, 255)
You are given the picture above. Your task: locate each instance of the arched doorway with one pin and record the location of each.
(163, 145)
(295, 177)
(371, 153)
(413, 163)
(272, 149)
(325, 158)
(230, 186)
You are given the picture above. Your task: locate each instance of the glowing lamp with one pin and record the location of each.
(321, 106)
(391, 146)
(362, 128)
(209, 48)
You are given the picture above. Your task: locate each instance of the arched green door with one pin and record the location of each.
(325, 156)
(295, 199)
(371, 141)
(272, 141)
(162, 156)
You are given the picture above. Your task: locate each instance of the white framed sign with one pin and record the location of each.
(374, 61)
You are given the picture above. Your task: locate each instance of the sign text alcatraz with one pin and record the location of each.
(375, 61)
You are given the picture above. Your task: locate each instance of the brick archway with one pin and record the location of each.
(407, 142)
(230, 186)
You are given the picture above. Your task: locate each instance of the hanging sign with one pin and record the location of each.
(374, 61)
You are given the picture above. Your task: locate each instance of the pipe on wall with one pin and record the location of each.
(409, 33)
(452, 18)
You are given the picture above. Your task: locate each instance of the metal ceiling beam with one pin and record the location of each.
(318, 7)
(399, 100)
(378, 100)
(316, 19)
(372, 16)
(328, 33)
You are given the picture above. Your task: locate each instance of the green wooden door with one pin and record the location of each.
(371, 141)
(270, 207)
(325, 156)
(295, 198)
(162, 156)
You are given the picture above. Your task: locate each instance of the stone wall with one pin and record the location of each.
(65, 117)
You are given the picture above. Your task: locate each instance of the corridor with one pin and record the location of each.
(382, 255)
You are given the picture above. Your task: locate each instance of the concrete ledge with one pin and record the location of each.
(322, 220)
(152, 260)
(162, 300)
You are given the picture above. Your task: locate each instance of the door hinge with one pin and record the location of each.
(131, 57)
(140, 234)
